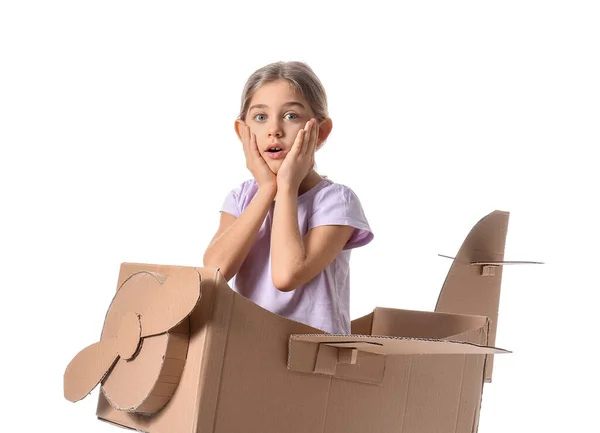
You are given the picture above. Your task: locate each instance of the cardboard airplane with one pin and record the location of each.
(181, 352)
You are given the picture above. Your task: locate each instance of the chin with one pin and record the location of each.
(274, 167)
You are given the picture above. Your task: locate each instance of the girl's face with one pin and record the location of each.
(276, 113)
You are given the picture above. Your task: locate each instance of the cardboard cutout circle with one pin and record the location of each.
(130, 333)
(149, 369)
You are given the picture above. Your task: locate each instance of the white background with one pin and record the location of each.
(116, 127)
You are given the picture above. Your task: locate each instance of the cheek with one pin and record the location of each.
(293, 131)
(260, 139)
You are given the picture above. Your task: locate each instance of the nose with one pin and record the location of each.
(275, 130)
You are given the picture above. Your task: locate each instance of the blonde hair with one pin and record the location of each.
(300, 76)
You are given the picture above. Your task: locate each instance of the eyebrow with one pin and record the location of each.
(287, 104)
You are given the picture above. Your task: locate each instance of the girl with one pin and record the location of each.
(286, 234)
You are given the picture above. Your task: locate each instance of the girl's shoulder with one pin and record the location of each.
(337, 204)
(239, 198)
(334, 191)
(246, 189)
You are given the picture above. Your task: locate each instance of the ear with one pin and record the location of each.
(324, 130)
(238, 127)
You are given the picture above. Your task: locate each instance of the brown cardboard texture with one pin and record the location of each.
(181, 352)
(142, 343)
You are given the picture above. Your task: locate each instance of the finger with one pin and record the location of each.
(244, 139)
(254, 146)
(309, 137)
(244, 134)
(305, 135)
(248, 142)
(315, 137)
(302, 139)
(298, 141)
(248, 145)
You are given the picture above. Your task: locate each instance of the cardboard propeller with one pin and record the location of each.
(135, 341)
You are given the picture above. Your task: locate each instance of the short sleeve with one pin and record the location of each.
(239, 198)
(231, 203)
(339, 205)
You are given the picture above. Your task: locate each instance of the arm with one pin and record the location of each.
(294, 260)
(235, 236)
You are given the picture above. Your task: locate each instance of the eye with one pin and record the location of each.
(294, 116)
(256, 117)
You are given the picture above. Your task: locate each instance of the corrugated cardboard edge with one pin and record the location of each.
(217, 337)
(378, 344)
(424, 324)
(312, 358)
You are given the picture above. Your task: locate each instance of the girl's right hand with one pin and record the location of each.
(255, 162)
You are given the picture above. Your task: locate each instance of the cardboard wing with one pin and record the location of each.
(324, 354)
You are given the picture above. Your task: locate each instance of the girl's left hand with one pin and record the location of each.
(301, 158)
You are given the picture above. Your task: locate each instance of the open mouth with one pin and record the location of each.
(274, 152)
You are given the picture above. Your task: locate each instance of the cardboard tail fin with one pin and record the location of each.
(473, 283)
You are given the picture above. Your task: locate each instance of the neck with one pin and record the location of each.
(309, 182)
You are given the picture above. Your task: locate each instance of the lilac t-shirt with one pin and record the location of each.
(324, 301)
